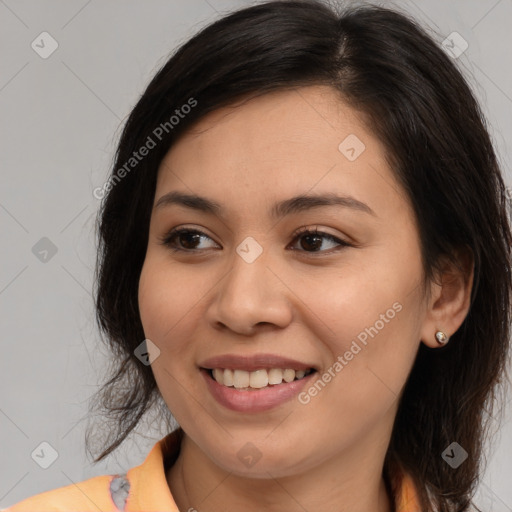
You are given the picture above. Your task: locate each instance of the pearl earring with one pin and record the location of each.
(442, 338)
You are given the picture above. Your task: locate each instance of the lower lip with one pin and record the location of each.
(254, 400)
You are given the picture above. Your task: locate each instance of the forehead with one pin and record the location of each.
(278, 144)
(279, 122)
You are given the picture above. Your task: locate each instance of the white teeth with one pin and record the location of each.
(241, 379)
(228, 378)
(288, 375)
(275, 376)
(258, 379)
(218, 375)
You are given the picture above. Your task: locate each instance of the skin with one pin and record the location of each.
(328, 454)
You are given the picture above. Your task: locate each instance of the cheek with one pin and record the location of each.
(371, 317)
(168, 300)
(372, 351)
(363, 301)
(167, 315)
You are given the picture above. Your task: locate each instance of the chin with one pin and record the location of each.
(250, 462)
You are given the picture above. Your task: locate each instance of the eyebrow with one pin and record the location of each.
(280, 209)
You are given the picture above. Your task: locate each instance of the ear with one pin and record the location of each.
(450, 296)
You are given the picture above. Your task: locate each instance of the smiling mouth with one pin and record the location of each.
(243, 380)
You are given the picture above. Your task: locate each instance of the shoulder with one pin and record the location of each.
(143, 487)
(88, 495)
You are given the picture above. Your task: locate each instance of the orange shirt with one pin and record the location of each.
(147, 491)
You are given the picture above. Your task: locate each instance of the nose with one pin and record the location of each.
(249, 298)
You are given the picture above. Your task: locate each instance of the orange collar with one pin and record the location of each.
(149, 490)
(407, 499)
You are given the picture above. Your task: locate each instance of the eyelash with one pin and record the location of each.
(174, 233)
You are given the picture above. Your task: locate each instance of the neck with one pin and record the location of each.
(340, 484)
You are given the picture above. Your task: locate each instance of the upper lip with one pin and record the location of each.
(254, 362)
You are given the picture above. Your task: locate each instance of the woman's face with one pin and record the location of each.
(250, 289)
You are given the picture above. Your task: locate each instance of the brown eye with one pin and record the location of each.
(312, 240)
(183, 239)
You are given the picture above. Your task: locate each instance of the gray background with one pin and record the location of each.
(60, 119)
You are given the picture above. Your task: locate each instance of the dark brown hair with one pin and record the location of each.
(420, 106)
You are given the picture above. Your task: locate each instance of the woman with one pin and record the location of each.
(305, 255)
